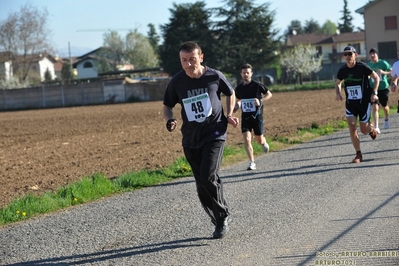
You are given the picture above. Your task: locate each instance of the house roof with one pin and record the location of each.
(5, 56)
(361, 10)
(89, 53)
(315, 39)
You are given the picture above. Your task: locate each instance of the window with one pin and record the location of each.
(87, 65)
(387, 50)
(391, 23)
(356, 46)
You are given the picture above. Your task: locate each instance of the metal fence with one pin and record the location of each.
(94, 93)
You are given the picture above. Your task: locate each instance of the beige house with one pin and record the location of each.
(331, 46)
(381, 27)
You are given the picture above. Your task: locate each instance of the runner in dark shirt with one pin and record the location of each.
(198, 90)
(251, 95)
(359, 96)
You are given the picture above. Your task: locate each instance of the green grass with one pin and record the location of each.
(91, 188)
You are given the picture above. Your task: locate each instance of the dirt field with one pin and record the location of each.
(41, 150)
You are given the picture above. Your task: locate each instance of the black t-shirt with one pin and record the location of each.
(202, 110)
(252, 90)
(356, 82)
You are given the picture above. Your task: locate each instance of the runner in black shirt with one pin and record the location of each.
(359, 96)
(251, 95)
(198, 90)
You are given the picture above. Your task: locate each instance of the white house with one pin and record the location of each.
(5, 66)
(41, 65)
(86, 65)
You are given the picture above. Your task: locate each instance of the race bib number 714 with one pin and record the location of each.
(198, 107)
(354, 92)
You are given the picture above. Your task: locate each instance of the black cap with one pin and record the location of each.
(350, 49)
(373, 50)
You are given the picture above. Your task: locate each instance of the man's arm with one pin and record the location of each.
(376, 78)
(394, 83)
(338, 88)
(171, 122)
(266, 96)
(230, 103)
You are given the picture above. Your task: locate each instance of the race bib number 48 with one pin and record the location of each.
(198, 107)
(354, 92)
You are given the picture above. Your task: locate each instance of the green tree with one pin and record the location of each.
(188, 22)
(25, 34)
(139, 51)
(244, 35)
(118, 51)
(153, 37)
(47, 76)
(346, 25)
(112, 54)
(312, 26)
(67, 73)
(301, 60)
(294, 28)
(328, 28)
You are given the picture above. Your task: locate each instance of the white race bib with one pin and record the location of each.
(354, 92)
(198, 107)
(248, 105)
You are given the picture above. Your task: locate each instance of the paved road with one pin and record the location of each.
(307, 205)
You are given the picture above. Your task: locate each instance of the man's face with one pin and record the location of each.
(191, 62)
(246, 74)
(350, 57)
(374, 57)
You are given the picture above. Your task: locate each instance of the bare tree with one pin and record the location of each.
(301, 60)
(24, 34)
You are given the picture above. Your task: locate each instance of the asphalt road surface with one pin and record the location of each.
(307, 205)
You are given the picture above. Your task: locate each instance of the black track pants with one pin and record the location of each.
(205, 163)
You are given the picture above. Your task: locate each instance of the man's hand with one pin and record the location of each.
(232, 120)
(374, 98)
(393, 87)
(171, 124)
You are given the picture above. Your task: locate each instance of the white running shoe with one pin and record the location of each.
(265, 147)
(252, 166)
(386, 124)
(378, 130)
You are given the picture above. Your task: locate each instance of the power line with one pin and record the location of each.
(102, 30)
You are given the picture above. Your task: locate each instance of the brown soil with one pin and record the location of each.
(42, 150)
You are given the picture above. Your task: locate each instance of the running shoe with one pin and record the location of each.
(358, 158)
(251, 166)
(378, 130)
(221, 229)
(373, 132)
(386, 124)
(265, 147)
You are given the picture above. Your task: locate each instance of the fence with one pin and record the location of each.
(94, 93)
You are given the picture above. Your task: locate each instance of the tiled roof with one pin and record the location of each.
(5, 56)
(315, 39)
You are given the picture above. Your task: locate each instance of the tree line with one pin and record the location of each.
(235, 33)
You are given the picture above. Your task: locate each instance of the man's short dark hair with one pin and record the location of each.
(190, 46)
(245, 66)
